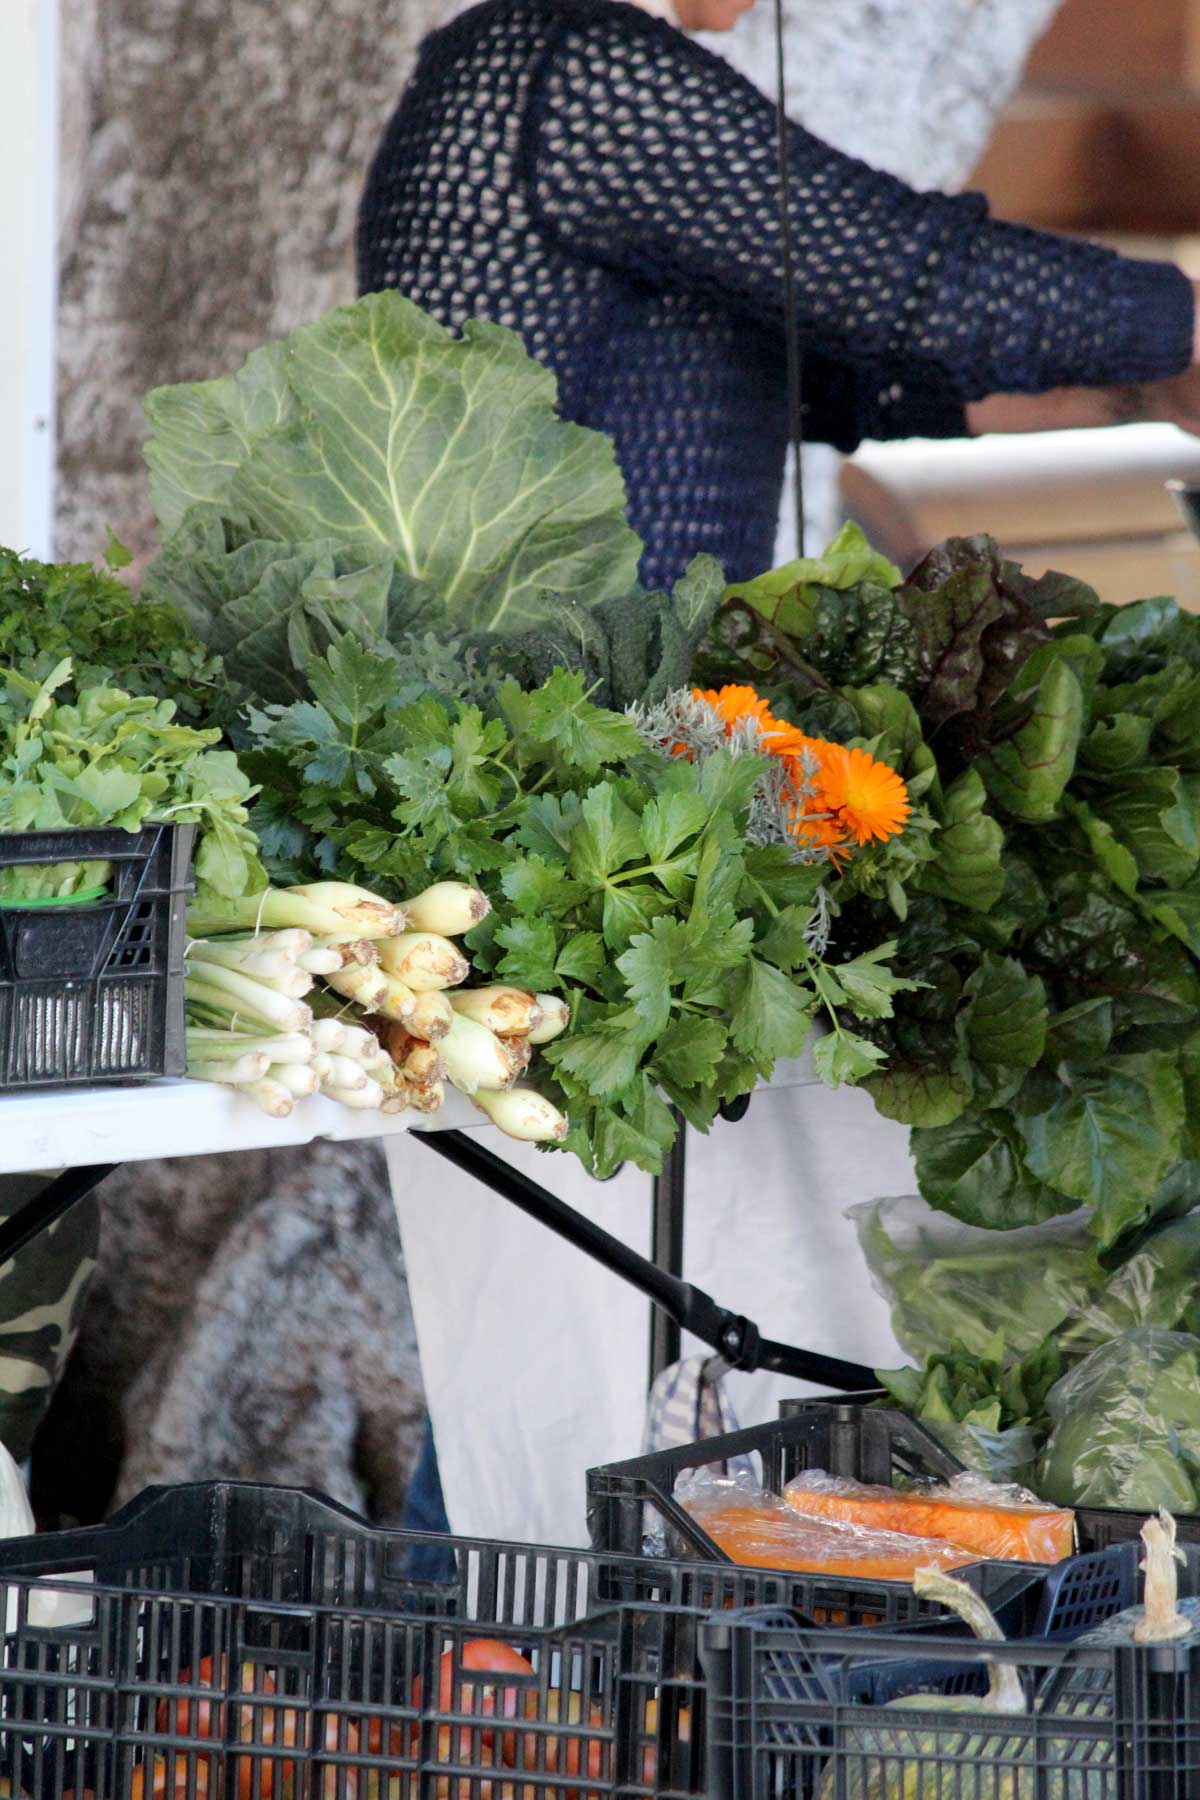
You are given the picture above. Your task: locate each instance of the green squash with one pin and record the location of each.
(921, 1762)
(985, 1762)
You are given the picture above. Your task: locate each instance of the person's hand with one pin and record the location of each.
(1175, 402)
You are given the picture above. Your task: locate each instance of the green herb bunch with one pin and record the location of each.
(49, 611)
(620, 876)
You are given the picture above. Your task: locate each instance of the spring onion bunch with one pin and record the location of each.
(329, 989)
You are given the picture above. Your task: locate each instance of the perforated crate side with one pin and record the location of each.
(94, 993)
(262, 1575)
(802, 1715)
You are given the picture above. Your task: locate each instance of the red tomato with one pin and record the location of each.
(650, 1754)
(182, 1725)
(278, 1724)
(476, 1748)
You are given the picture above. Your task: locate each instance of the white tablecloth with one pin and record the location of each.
(535, 1359)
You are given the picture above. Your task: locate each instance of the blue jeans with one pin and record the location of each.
(425, 1510)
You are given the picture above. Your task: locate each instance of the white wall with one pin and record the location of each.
(28, 156)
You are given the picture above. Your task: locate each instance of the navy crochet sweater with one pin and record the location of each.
(585, 174)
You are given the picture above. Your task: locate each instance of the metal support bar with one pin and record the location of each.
(57, 1198)
(732, 1336)
(666, 1247)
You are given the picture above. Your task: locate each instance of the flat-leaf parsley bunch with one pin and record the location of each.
(673, 891)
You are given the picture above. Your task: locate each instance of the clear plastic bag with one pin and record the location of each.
(1004, 1522)
(1154, 1284)
(1125, 1426)
(758, 1529)
(949, 1283)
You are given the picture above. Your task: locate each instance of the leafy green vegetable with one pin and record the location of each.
(1050, 912)
(848, 562)
(1026, 773)
(1109, 1137)
(949, 1283)
(1126, 1426)
(619, 876)
(112, 759)
(49, 611)
(967, 868)
(951, 636)
(987, 1411)
(636, 647)
(976, 623)
(974, 1168)
(375, 473)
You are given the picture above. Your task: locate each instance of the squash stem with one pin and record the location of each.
(1161, 1620)
(1005, 1693)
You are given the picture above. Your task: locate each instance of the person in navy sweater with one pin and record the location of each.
(584, 173)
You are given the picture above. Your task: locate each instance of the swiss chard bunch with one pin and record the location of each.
(620, 876)
(1051, 1055)
(950, 637)
(109, 758)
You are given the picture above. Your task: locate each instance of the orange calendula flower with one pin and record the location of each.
(732, 704)
(867, 797)
(851, 796)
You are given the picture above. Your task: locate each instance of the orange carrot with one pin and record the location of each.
(763, 1534)
(1010, 1532)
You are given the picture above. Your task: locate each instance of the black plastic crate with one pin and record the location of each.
(1096, 1527)
(343, 1647)
(863, 1443)
(94, 993)
(797, 1714)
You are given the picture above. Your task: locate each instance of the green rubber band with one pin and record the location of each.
(39, 900)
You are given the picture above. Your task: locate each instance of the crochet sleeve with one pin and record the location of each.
(645, 153)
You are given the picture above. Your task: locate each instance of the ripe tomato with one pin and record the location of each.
(209, 1718)
(257, 1724)
(476, 1747)
(650, 1754)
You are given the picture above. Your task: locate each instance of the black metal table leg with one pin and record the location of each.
(57, 1198)
(736, 1338)
(666, 1247)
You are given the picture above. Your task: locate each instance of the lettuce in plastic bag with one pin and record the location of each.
(1126, 1426)
(954, 1284)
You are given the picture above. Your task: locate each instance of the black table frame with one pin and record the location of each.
(677, 1305)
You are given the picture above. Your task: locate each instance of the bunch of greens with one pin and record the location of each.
(113, 759)
(49, 611)
(990, 1412)
(619, 876)
(993, 1316)
(1050, 1055)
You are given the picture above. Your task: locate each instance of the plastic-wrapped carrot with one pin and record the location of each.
(983, 1517)
(755, 1528)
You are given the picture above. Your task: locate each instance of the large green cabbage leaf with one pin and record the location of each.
(379, 430)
